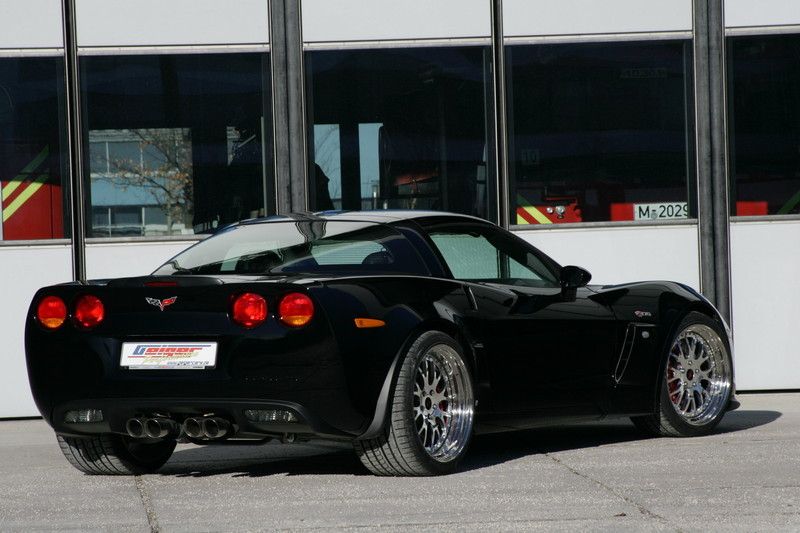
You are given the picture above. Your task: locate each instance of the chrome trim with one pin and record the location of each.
(605, 224)
(35, 243)
(737, 31)
(599, 37)
(189, 239)
(396, 43)
(172, 49)
(31, 52)
(765, 218)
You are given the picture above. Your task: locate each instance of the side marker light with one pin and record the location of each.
(363, 323)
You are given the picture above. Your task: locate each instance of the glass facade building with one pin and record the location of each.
(584, 132)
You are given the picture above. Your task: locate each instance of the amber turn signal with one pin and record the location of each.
(296, 309)
(369, 323)
(51, 312)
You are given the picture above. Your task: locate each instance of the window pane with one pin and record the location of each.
(481, 253)
(177, 143)
(31, 125)
(600, 132)
(468, 256)
(401, 128)
(764, 123)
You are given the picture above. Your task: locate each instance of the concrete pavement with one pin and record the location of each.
(745, 477)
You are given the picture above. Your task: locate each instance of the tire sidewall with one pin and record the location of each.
(667, 411)
(413, 356)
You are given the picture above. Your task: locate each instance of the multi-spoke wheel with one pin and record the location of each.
(431, 415)
(697, 381)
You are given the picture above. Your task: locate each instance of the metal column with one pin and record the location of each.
(712, 153)
(286, 45)
(75, 146)
(500, 117)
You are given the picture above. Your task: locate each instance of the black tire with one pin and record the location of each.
(115, 455)
(667, 422)
(399, 450)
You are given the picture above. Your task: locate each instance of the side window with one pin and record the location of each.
(477, 254)
(468, 256)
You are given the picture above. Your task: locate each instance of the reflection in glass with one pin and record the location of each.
(142, 168)
(764, 124)
(31, 164)
(600, 131)
(299, 246)
(401, 128)
(175, 142)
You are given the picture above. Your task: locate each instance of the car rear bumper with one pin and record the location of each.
(246, 416)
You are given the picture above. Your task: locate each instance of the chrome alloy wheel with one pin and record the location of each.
(443, 403)
(698, 376)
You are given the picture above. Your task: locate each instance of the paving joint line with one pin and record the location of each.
(147, 503)
(642, 509)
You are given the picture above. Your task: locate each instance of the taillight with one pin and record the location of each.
(296, 309)
(51, 312)
(249, 310)
(89, 311)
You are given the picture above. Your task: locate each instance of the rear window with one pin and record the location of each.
(307, 246)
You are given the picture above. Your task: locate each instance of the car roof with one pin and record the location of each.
(385, 216)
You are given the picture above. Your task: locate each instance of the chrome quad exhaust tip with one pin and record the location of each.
(151, 428)
(210, 427)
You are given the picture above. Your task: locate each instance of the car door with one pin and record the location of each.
(547, 354)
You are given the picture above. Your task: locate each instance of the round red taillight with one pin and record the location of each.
(51, 312)
(249, 310)
(89, 311)
(296, 309)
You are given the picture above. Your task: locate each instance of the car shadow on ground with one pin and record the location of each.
(486, 450)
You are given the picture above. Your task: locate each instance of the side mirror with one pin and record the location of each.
(571, 278)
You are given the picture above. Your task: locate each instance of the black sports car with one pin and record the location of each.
(401, 332)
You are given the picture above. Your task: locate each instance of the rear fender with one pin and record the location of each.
(382, 406)
(372, 357)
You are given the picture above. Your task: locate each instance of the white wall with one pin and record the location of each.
(765, 277)
(30, 24)
(124, 259)
(570, 17)
(23, 270)
(761, 12)
(359, 20)
(622, 254)
(171, 22)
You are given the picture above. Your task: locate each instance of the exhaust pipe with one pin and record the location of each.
(158, 428)
(215, 427)
(135, 427)
(193, 428)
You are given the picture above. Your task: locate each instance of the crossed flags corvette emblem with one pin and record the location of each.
(161, 304)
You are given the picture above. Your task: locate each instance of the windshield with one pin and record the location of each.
(306, 246)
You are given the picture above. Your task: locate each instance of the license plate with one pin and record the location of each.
(168, 355)
(660, 211)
